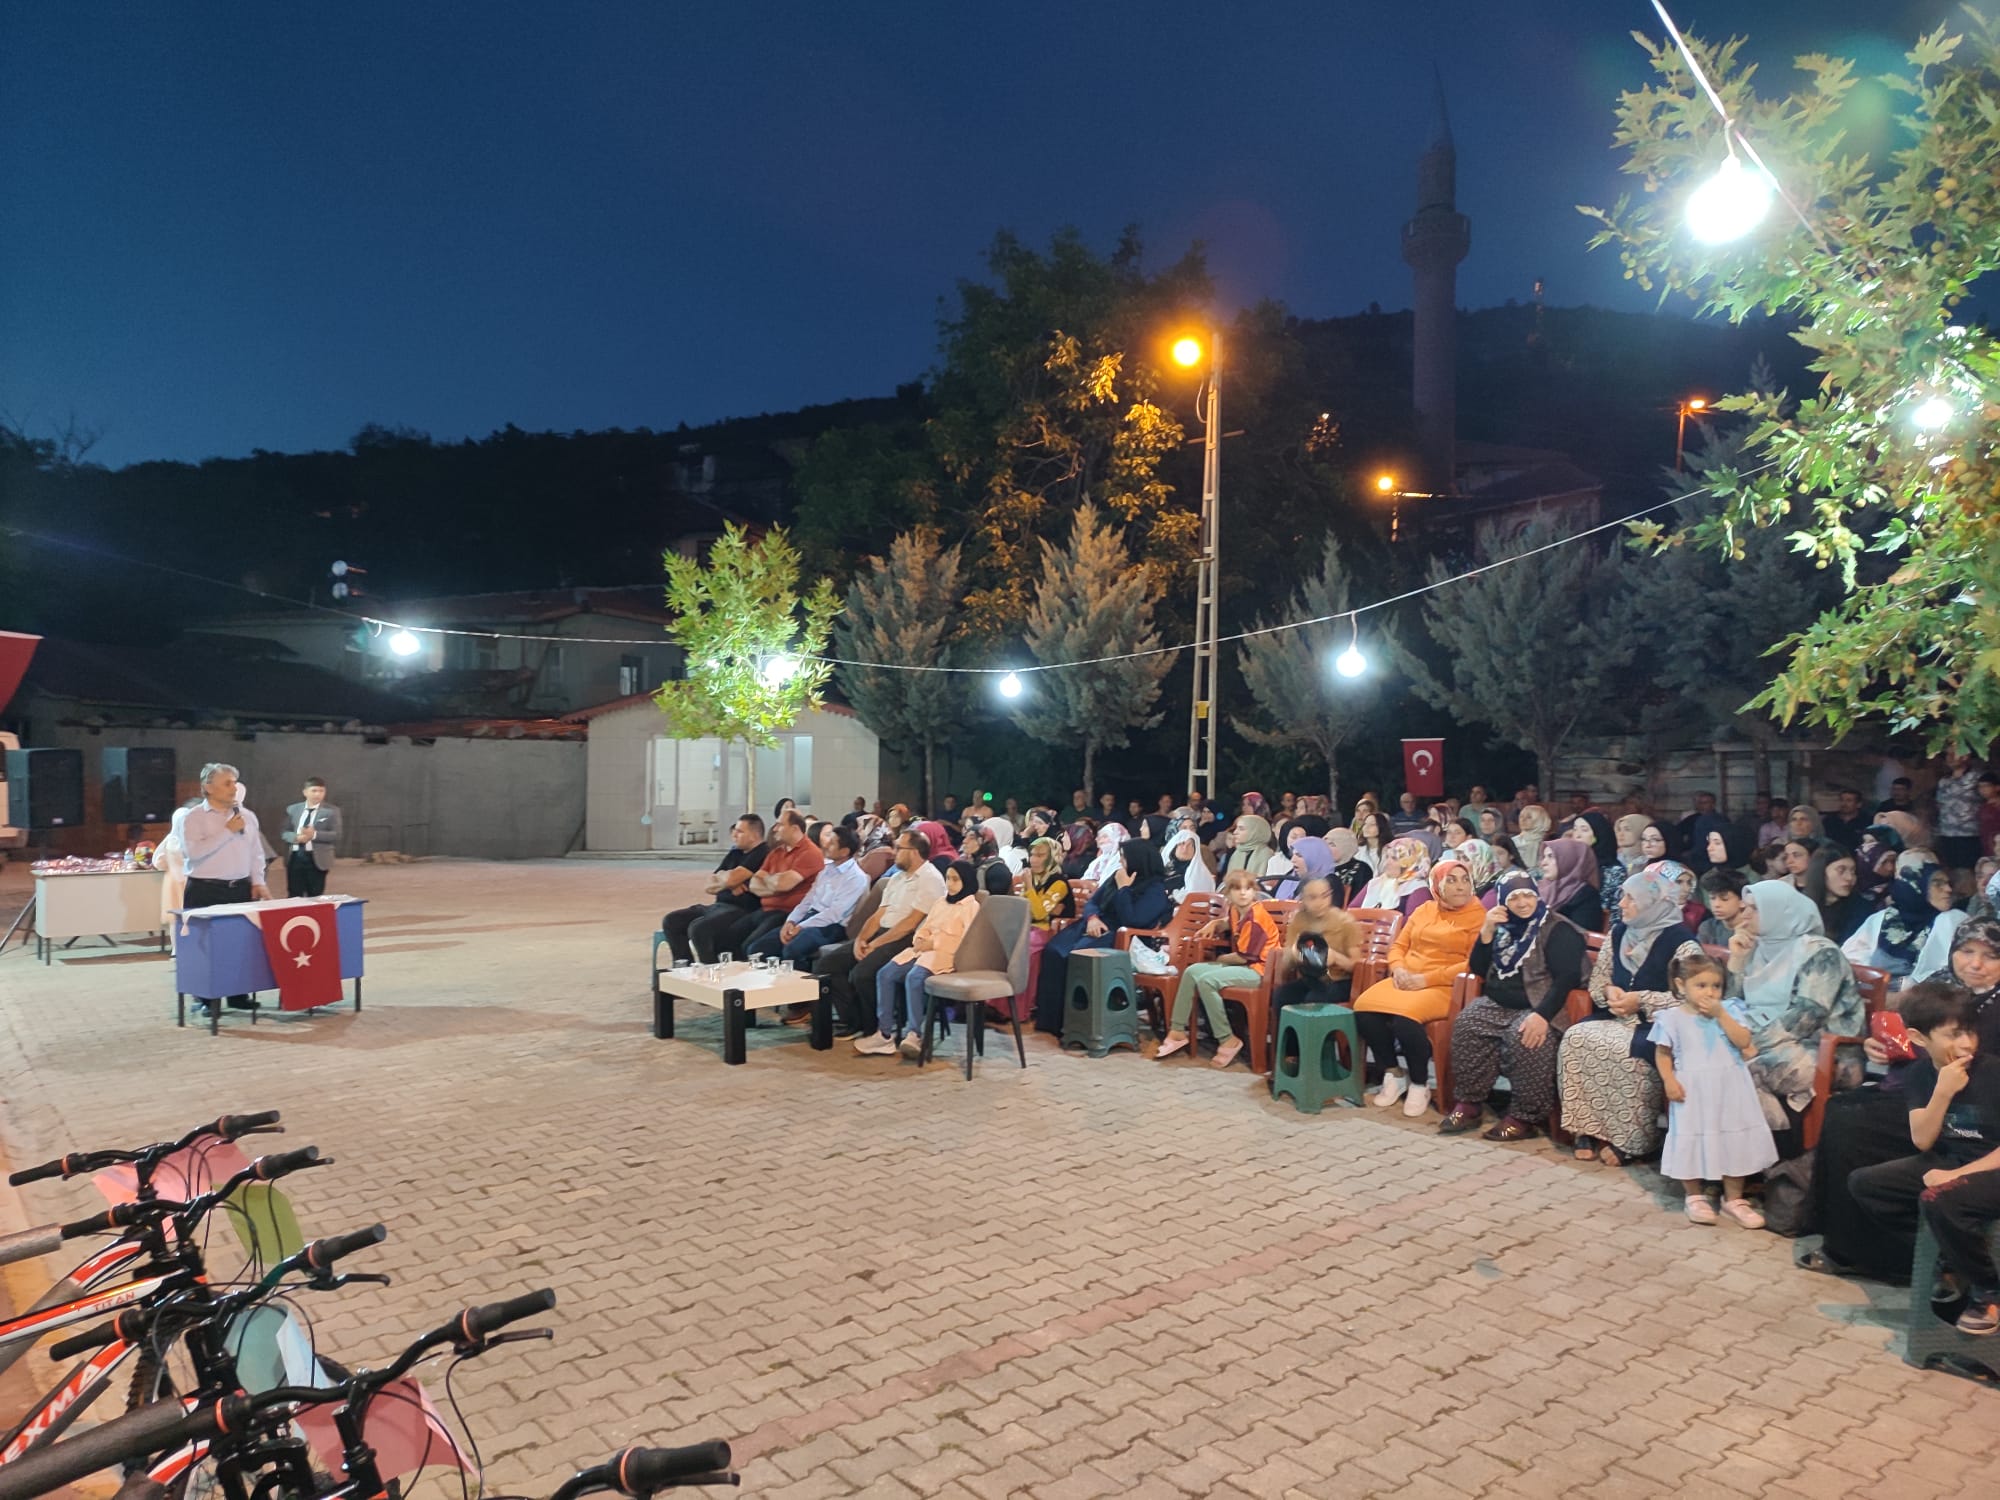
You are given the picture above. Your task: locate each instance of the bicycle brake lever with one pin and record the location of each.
(370, 1278)
(515, 1338)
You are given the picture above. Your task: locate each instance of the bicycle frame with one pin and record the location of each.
(53, 1414)
(94, 1271)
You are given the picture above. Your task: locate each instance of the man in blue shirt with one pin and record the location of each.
(821, 919)
(225, 853)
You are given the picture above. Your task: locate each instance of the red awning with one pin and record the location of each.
(16, 650)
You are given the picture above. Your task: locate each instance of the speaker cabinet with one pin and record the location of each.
(138, 785)
(45, 788)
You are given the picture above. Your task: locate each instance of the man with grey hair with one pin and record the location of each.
(225, 852)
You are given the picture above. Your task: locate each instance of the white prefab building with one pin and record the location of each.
(649, 790)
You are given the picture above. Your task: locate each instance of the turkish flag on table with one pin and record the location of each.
(303, 945)
(1423, 767)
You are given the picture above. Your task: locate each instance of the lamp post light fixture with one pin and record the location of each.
(1693, 406)
(1386, 484)
(1188, 353)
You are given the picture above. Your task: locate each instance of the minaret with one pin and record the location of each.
(1434, 242)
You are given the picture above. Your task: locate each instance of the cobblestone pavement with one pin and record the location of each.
(1088, 1278)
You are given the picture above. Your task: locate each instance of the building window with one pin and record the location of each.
(485, 653)
(552, 669)
(631, 675)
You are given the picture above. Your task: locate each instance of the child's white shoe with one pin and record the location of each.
(1701, 1211)
(1740, 1210)
(1417, 1103)
(1395, 1084)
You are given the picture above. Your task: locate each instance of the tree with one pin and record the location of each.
(1290, 675)
(903, 609)
(1888, 473)
(1092, 603)
(1533, 648)
(750, 639)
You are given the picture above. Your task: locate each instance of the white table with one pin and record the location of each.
(737, 990)
(97, 903)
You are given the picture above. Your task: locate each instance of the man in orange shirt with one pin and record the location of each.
(780, 884)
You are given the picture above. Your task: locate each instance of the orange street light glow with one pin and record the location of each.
(1697, 403)
(1385, 482)
(1187, 351)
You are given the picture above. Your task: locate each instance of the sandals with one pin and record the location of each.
(1169, 1047)
(1227, 1053)
(1824, 1264)
(1463, 1117)
(1585, 1149)
(1512, 1129)
(1611, 1156)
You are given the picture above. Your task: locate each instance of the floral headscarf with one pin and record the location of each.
(1656, 896)
(1386, 891)
(1909, 916)
(1482, 860)
(1109, 837)
(1515, 938)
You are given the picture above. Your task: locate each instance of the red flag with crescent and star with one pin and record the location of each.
(303, 945)
(1423, 767)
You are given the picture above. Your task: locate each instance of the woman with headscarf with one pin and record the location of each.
(1832, 884)
(1629, 835)
(1430, 949)
(1483, 861)
(1569, 883)
(1723, 845)
(1492, 823)
(1796, 986)
(1079, 847)
(1350, 870)
(1611, 1094)
(1050, 900)
(1804, 822)
(1249, 840)
(1893, 938)
(1401, 882)
(1001, 832)
(1593, 829)
(1535, 826)
(1528, 958)
(1105, 865)
(1134, 897)
(1311, 860)
(1871, 1124)
(1190, 869)
(944, 843)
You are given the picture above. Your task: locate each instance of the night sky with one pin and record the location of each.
(263, 225)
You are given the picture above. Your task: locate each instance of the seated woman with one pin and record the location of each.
(1050, 900)
(1350, 872)
(1795, 986)
(1528, 957)
(1322, 945)
(1865, 1126)
(932, 948)
(1253, 939)
(1831, 881)
(1105, 865)
(1373, 837)
(1190, 869)
(1135, 897)
(1593, 830)
(1893, 938)
(1534, 828)
(1629, 835)
(1248, 841)
(1430, 950)
(1569, 883)
(1492, 823)
(1483, 861)
(1727, 847)
(1611, 1096)
(1001, 832)
(1311, 860)
(1402, 880)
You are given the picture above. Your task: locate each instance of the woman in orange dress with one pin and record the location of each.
(1430, 950)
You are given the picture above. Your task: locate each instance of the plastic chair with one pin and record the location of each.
(1183, 947)
(1874, 986)
(1256, 998)
(1929, 1337)
(995, 958)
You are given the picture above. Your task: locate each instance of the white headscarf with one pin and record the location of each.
(1197, 878)
(1109, 837)
(1002, 833)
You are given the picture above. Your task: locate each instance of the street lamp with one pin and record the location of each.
(1386, 484)
(1694, 406)
(1188, 353)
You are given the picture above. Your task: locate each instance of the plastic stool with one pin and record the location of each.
(1306, 1062)
(1930, 1338)
(1100, 1008)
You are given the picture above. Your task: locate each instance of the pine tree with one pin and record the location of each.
(903, 609)
(1533, 649)
(1092, 602)
(751, 641)
(1290, 675)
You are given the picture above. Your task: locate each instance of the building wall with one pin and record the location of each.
(635, 770)
(477, 799)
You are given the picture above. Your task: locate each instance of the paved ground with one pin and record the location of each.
(1089, 1278)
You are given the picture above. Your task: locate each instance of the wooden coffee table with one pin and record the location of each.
(736, 991)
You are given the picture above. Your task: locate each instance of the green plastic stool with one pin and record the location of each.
(1930, 1339)
(1100, 1001)
(1306, 1061)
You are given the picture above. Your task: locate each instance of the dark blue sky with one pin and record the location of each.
(233, 226)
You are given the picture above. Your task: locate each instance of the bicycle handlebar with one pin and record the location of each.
(129, 1324)
(29, 1243)
(475, 1323)
(640, 1471)
(321, 1254)
(226, 1127)
(263, 1169)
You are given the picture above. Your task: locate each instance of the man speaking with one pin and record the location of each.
(225, 852)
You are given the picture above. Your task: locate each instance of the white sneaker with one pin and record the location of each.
(1395, 1084)
(1417, 1103)
(874, 1045)
(912, 1045)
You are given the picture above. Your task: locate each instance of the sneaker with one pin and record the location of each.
(1416, 1103)
(1395, 1084)
(1740, 1210)
(1981, 1318)
(1700, 1211)
(1947, 1287)
(875, 1045)
(912, 1045)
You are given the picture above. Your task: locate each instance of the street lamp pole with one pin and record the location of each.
(1202, 717)
(1695, 405)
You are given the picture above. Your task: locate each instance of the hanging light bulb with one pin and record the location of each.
(1010, 685)
(1933, 414)
(1730, 204)
(780, 669)
(1351, 663)
(405, 644)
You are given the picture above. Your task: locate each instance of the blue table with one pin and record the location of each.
(221, 952)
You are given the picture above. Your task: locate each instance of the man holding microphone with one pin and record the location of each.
(225, 852)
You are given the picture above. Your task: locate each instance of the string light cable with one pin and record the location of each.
(379, 625)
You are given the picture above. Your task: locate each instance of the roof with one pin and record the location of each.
(645, 602)
(633, 700)
(186, 683)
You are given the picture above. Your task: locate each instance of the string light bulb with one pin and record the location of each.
(1351, 663)
(1730, 204)
(779, 670)
(402, 643)
(1010, 685)
(1931, 415)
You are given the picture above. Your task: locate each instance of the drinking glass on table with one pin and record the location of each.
(723, 961)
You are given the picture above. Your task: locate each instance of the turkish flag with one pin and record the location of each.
(303, 945)
(1423, 767)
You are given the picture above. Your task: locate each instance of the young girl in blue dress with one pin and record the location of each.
(1715, 1126)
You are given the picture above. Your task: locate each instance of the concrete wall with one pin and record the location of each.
(638, 773)
(481, 799)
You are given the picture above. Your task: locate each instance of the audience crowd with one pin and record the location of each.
(1716, 953)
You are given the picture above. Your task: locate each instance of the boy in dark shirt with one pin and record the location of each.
(1954, 1181)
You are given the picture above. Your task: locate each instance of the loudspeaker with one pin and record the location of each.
(138, 785)
(45, 788)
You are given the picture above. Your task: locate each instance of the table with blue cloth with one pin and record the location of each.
(220, 951)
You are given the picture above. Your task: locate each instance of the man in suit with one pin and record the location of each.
(312, 828)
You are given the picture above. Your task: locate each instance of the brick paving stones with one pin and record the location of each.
(1091, 1278)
